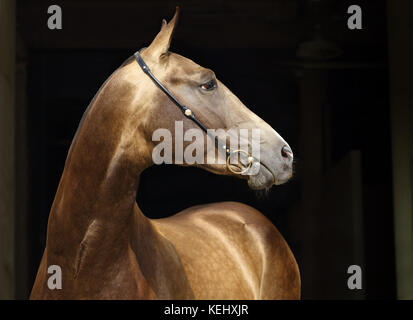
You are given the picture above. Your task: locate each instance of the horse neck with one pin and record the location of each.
(101, 175)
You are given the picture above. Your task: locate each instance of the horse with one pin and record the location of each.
(104, 245)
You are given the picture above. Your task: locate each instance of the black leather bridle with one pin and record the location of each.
(190, 115)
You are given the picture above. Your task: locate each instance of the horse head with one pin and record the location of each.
(214, 105)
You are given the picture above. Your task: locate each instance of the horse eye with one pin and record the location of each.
(208, 86)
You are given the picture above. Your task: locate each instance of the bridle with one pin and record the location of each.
(190, 115)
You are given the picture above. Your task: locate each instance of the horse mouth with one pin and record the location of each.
(264, 179)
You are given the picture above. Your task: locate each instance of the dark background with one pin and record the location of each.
(334, 112)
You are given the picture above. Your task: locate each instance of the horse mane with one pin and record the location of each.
(126, 62)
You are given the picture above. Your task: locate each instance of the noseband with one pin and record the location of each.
(190, 115)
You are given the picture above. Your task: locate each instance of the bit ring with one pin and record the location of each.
(250, 161)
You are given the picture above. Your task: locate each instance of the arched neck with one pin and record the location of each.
(102, 170)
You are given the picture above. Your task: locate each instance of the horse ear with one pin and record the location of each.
(160, 45)
(163, 24)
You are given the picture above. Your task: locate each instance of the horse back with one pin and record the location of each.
(229, 250)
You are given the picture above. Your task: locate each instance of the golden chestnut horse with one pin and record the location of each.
(103, 243)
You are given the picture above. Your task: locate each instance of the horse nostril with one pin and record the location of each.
(286, 152)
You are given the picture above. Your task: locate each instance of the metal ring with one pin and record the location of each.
(250, 161)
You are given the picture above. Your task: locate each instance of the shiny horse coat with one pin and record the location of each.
(104, 244)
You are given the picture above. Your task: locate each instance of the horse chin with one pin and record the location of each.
(264, 179)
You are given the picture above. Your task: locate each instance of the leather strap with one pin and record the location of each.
(185, 110)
